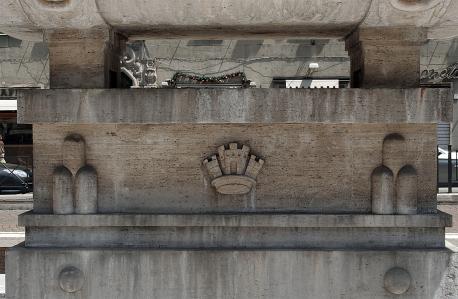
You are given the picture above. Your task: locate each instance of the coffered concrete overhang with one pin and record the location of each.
(27, 19)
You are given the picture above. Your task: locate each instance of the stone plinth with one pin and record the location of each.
(223, 193)
(241, 274)
(334, 175)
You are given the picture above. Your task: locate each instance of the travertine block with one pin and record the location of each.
(62, 192)
(313, 167)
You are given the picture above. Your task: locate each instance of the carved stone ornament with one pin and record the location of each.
(233, 170)
(139, 68)
(71, 279)
(418, 5)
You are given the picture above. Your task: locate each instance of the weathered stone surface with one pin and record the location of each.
(86, 191)
(73, 153)
(62, 191)
(407, 191)
(71, 279)
(252, 230)
(81, 58)
(187, 106)
(323, 168)
(235, 220)
(385, 57)
(228, 274)
(382, 191)
(397, 281)
(320, 238)
(211, 18)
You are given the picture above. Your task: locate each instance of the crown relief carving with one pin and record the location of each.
(233, 170)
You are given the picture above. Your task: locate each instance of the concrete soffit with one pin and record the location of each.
(25, 19)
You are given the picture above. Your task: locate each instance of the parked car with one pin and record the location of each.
(15, 179)
(442, 164)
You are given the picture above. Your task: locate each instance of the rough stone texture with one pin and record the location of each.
(62, 191)
(231, 18)
(217, 238)
(182, 106)
(85, 185)
(319, 147)
(385, 57)
(83, 58)
(73, 153)
(323, 168)
(407, 191)
(236, 231)
(71, 279)
(227, 274)
(397, 281)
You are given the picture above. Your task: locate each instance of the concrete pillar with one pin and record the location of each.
(382, 191)
(86, 191)
(62, 195)
(385, 57)
(406, 191)
(84, 58)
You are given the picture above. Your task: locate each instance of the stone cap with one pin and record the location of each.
(241, 106)
(26, 19)
(440, 219)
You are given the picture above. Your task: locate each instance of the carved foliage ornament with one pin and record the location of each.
(233, 170)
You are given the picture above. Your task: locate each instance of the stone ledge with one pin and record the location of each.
(438, 220)
(241, 106)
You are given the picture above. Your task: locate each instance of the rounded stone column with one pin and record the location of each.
(86, 191)
(382, 190)
(406, 191)
(62, 195)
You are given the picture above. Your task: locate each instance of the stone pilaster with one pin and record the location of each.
(84, 58)
(385, 57)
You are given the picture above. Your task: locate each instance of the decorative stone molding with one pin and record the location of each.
(74, 152)
(394, 184)
(74, 182)
(416, 5)
(397, 281)
(71, 279)
(233, 170)
(54, 4)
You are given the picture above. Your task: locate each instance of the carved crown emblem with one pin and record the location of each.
(233, 170)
